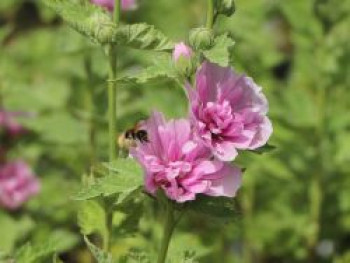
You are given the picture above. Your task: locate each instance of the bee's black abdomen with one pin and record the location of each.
(142, 136)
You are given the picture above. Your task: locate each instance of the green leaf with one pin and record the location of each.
(215, 207)
(11, 230)
(99, 255)
(264, 149)
(89, 20)
(136, 256)
(96, 24)
(163, 67)
(121, 177)
(180, 252)
(142, 36)
(60, 128)
(32, 253)
(220, 52)
(91, 218)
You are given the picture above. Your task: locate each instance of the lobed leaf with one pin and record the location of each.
(96, 24)
(99, 255)
(122, 177)
(142, 36)
(32, 253)
(220, 52)
(216, 207)
(162, 67)
(91, 218)
(89, 20)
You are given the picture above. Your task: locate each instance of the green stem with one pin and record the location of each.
(247, 203)
(169, 226)
(112, 120)
(116, 12)
(112, 88)
(109, 226)
(90, 108)
(210, 14)
(315, 190)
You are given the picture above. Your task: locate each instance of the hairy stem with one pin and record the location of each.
(90, 108)
(315, 189)
(169, 226)
(109, 225)
(112, 86)
(247, 202)
(210, 14)
(112, 119)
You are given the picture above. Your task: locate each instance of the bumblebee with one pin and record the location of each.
(131, 136)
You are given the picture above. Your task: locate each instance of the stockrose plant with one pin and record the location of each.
(183, 163)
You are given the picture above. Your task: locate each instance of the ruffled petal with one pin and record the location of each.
(228, 184)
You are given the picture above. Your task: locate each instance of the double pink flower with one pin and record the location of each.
(187, 157)
(181, 166)
(228, 111)
(17, 184)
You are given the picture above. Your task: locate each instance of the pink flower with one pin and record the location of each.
(17, 184)
(182, 167)
(182, 50)
(8, 123)
(109, 4)
(228, 111)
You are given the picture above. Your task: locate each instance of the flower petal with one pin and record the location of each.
(228, 184)
(225, 151)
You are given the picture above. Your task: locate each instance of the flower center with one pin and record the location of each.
(164, 173)
(218, 119)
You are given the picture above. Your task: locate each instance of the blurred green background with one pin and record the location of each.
(294, 205)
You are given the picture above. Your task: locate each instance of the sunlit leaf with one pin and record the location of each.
(220, 52)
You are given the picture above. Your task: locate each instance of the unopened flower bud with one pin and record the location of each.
(201, 38)
(226, 7)
(182, 57)
(181, 50)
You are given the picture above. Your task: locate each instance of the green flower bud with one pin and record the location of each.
(201, 38)
(226, 7)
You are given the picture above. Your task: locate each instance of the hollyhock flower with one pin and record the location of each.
(17, 184)
(126, 5)
(182, 50)
(182, 167)
(9, 125)
(228, 111)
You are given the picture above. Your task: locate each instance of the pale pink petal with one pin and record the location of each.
(263, 134)
(225, 151)
(228, 184)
